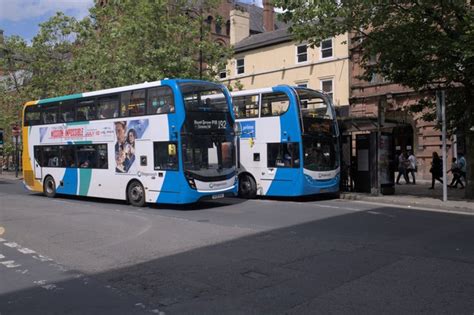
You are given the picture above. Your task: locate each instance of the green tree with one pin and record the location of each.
(128, 42)
(124, 42)
(424, 45)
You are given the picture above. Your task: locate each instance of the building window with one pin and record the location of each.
(223, 74)
(302, 84)
(326, 48)
(301, 53)
(326, 87)
(240, 66)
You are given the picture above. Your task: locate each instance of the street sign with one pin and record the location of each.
(16, 140)
(16, 131)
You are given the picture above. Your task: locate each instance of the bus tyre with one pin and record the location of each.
(49, 187)
(136, 194)
(247, 187)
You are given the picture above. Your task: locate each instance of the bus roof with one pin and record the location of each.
(95, 93)
(250, 92)
(112, 90)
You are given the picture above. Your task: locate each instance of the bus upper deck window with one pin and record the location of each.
(32, 116)
(160, 100)
(108, 107)
(50, 114)
(274, 104)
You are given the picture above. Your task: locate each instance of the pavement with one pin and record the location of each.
(420, 195)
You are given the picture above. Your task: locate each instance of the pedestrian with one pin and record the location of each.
(462, 168)
(436, 170)
(456, 175)
(402, 168)
(412, 167)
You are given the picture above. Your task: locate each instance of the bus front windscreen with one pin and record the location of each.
(207, 136)
(320, 136)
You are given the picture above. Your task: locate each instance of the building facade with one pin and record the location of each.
(410, 132)
(273, 57)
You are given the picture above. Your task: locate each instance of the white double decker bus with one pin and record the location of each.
(289, 142)
(169, 141)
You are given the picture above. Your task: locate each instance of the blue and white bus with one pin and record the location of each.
(289, 142)
(170, 141)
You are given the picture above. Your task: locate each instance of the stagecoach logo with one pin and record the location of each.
(139, 174)
(217, 185)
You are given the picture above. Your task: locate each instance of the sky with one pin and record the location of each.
(22, 17)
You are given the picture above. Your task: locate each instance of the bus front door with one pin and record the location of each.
(36, 164)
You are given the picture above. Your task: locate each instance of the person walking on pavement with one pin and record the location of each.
(456, 175)
(412, 167)
(462, 170)
(436, 170)
(402, 168)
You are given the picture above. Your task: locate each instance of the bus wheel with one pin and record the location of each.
(136, 194)
(247, 187)
(49, 187)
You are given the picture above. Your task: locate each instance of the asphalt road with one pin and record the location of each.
(81, 256)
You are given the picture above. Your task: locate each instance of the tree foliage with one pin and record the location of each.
(422, 44)
(124, 42)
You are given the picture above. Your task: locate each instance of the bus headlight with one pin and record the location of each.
(190, 181)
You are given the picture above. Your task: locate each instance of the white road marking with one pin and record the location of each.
(327, 206)
(11, 244)
(26, 251)
(10, 264)
(45, 285)
(23, 271)
(41, 258)
(2, 239)
(380, 213)
(1, 256)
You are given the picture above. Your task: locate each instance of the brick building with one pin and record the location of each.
(410, 131)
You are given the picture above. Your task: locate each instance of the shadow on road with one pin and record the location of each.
(201, 205)
(372, 262)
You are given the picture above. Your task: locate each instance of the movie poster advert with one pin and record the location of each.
(126, 133)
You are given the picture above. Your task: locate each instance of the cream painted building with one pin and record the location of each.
(273, 57)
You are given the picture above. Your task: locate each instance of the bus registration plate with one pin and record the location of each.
(217, 196)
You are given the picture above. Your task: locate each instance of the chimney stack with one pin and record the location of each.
(240, 25)
(268, 16)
